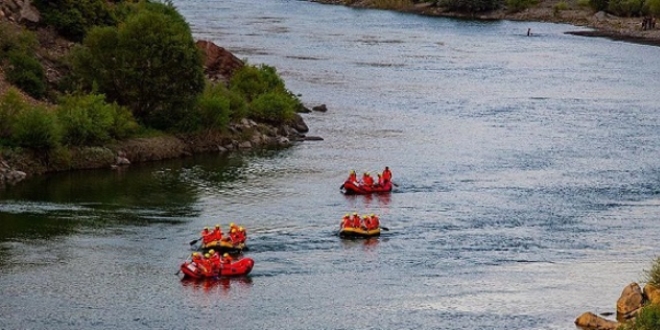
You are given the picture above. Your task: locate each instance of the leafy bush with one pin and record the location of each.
(470, 6)
(89, 120)
(583, 3)
(653, 7)
(519, 5)
(252, 81)
(27, 73)
(36, 128)
(599, 5)
(392, 4)
(625, 7)
(647, 319)
(13, 38)
(73, 18)
(652, 276)
(11, 105)
(273, 107)
(149, 63)
(214, 107)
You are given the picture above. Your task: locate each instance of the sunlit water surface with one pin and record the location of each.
(527, 170)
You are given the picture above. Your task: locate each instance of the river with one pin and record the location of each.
(527, 171)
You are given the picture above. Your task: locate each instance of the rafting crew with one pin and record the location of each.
(367, 222)
(367, 180)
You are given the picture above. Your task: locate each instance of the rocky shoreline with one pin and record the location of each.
(628, 29)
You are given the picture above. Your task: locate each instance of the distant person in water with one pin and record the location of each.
(529, 32)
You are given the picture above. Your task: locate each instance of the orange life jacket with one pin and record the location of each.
(207, 236)
(387, 175)
(356, 221)
(217, 234)
(346, 222)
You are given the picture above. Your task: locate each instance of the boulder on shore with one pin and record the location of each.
(630, 302)
(592, 321)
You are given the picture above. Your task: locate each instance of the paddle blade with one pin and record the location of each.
(384, 228)
(193, 242)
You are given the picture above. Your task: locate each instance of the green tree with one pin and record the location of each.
(653, 7)
(470, 6)
(36, 128)
(73, 18)
(149, 63)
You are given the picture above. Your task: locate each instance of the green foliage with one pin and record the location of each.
(470, 6)
(652, 276)
(519, 5)
(214, 107)
(273, 107)
(583, 3)
(653, 7)
(647, 319)
(13, 38)
(73, 18)
(26, 72)
(561, 5)
(36, 128)
(599, 5)
(89, 120)
(626, 8)
(11, 105)
(149, 63)
(252, 81)
(392, 4)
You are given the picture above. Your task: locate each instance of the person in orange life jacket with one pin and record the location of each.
(217, 233)
(205, 265)
(232, 226)
(367, 180)
(242, 235)
(366, 222)
(346, 221)
(356, 220)
(207, 235)
(215, 260)
(387, 174)
(375, 222)
(196, 257)
(381, 180)
(235, 239)
(226, 259)
(352, 177)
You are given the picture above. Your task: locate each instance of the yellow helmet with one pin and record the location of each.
(211, 252)
(373, 215)
(352, 171)
(207, 255)
(365, 217)
(240, 228)
(233, 230)
(231, 224)
(206, 228)
(217, 226)
(354, 213)
(225, 255)
(347, 215)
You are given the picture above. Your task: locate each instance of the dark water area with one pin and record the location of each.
(528, 172)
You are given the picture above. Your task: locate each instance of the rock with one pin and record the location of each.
(652, 293)
(122, 161)
(630, 301)
(313, 138)
(594, 322)
(29, 13)
(600, 16)
(283, 142)
(299, 124)
(15, 176)
(222, 149)
(245, 145)
(219, 64)
(320, 108)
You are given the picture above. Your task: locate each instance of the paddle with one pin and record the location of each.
(384, 228)
(193, 242)
(396, 185)
(177, 272)
(341, 187)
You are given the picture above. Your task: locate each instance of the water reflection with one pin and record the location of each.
(221, 285)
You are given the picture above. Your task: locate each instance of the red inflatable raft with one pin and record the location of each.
(355, 188)
(238, 268)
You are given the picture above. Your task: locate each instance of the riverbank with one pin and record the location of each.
(627, 29)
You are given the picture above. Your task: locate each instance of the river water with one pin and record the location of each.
(527, 170)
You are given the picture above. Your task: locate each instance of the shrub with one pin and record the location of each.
(625, 7)
(73, 18)
(36, 128)
(652, 276)
(252, 81)
(392, 4)
(89, 120)
(559, 6)
(149, 63)
(273, 107)
(11, 104)
(470, 6)
(583, 3)
(214, 107)
(13, 38)
(647, 319)
(519, 5)
(653, 7)
(599, 5)
(27, 73)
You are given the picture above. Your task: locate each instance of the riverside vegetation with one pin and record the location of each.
(124, 70)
